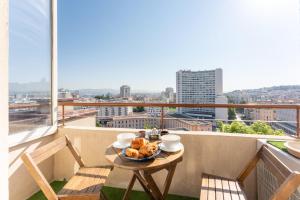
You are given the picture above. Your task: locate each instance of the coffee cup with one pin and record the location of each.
(170, 141)
(125, 138)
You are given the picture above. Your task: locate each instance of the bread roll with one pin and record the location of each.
(133, 153)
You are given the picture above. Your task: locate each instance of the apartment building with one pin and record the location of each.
(155, 111)
(113, 111)
(137, 122)
(125, 91)
(141, 122)
(260, 114)
(201, 87)
(188, 125)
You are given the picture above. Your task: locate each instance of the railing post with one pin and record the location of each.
(162, 118)
(63, 115)
(298, 122)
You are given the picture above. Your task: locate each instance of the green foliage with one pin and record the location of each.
(220, 126)
(148, 126)
(56, 186)
(104, 97)
(139, 109)
(231, 114)
(98, 124)
(279, 145)
(258, 127)
(117, 193)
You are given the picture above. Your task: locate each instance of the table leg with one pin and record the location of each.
(129, 188)
(144, 184)
(153, 187)
(168, 181)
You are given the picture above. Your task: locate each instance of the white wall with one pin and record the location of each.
(21, 184)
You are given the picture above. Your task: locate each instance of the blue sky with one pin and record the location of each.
(29, 44)
(142, 43)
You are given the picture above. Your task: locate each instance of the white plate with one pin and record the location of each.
(172, 150)
(117, 145)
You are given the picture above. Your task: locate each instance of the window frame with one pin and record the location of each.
(27, 136)
(4, 98)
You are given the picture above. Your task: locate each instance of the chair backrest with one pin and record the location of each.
(288, 180)
(32, 159)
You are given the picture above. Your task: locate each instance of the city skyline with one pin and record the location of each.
(143, 44)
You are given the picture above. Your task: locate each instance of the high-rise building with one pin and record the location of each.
(201, 87)
(170, 94)
(125, 91)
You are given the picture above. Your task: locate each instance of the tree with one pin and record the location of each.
(258, 127)
(104, 97)
(139, 109)
(231, 114)
(220, 126)
(98, 124)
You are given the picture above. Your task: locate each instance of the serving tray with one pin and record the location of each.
(123, 154)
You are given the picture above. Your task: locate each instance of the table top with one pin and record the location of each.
(113, 155)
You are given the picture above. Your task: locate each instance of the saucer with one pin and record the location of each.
(172, 150)
(117, 145)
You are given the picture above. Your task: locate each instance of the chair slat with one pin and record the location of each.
(288, 187)
(212, 188)
(204, 187)
(226, 189)
(281, 167)
(219, 189)
(48, 150)
(240, 191)
(38, 177)
(233, 190)
(74, 152)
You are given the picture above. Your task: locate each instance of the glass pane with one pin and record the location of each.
(29, 65)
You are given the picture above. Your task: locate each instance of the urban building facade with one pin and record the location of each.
(125, 91)
(286, 121)
(113, 111)
(260, 114)
(168, 95)
(155, 111)
(200, 87)
(147, 122)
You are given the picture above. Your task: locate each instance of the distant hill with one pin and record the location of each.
(93, 92)
(42, 86)
(284, 92)
(273, 88)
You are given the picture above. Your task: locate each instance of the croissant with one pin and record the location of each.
(138, 143)
(133, 153)
(147, 150)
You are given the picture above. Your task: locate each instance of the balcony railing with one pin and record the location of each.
(295, 107)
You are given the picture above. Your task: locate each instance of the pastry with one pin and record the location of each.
(138, 143)
(153, 146)
(141, 156)
(145, 151)
(149, 149)
(133, 153)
